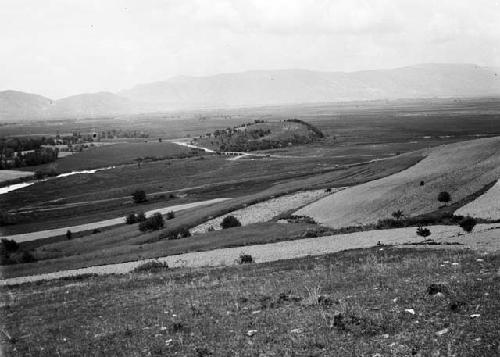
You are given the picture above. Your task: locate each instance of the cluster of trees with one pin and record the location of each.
(258, 137)
(11, 253)
(25, 151)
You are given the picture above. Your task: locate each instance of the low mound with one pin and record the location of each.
(486, 206)
(460, 169)
(260, 135)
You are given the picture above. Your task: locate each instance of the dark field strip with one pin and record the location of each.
(352, 303)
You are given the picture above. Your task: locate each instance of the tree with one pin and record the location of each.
(131, 218)
(139, 196)
(468, 223)
(229, 222)
(68, 234)
(152, 223)
(444, 197)
(170, 215)
(398, 214)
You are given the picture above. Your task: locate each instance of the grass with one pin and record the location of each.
(351, 303)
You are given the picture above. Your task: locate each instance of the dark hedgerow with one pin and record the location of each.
(245, 259)
(229, 222)
(154, 266)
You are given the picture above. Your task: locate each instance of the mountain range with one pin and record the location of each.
(258, 88)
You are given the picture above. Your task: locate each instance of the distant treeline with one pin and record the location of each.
(26, 151)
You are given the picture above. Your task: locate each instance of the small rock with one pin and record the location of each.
(410, 311)
(454, 264)
(168, 342)
(296, 330)
(395, 300)
(442, 332)
(250, 333)
(479, 260)
(474, 315)
(255, 312)
(385, 335)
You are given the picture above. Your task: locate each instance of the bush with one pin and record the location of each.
(68, 234)
(154, 266)
(152, 223)
(141, 217)
(423, 232)
(444, 196)
(176, 233)
(131, 218)
(139, 196)
(468, 223)
(229, 222)
(170, 215)
(245, 259)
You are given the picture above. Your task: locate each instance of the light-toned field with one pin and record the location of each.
(484, 238)
(461, 169)
(7, 175)
(486, 206)
(264, 211)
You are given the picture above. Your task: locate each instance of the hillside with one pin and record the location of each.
(461, 169)
(16, 105)
(260, 135)
(257, 88)
(303, 86)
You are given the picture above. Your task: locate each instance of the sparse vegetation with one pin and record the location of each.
(230, 222)
(398, 214)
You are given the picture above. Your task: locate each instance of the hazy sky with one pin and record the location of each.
(63, 47)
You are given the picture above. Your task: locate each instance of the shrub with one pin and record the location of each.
(176, 233)
(468, 223)
(154, 266)
(170, 215)
(152, 223)
(422, 183)
(245, 259)
(444, 196)
(141, 217)
(423, 232)
(229, 222)
(68, 234)
(131, 218)
(7, 219)
(139, 196)
(26, 257)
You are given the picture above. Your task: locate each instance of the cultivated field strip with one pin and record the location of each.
(24, 237)
(484, 238)
(461, 169)
(266, 210)
(486, 206)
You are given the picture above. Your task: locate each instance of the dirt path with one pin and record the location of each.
(24, 237)
(484, 238)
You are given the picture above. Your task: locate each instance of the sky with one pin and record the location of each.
(58, 48)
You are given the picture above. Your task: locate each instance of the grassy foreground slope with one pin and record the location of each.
(353, 303)
(461, 169)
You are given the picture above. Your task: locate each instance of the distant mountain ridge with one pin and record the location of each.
(256, 88)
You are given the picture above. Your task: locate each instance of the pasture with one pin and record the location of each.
(360, 302)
